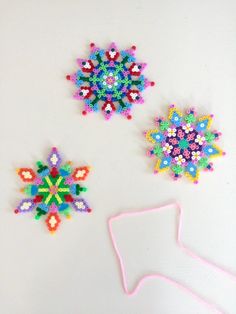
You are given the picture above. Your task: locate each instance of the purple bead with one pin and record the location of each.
(54, 159)
(80, 205)
(26, 205)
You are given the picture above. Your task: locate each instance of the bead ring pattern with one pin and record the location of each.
(183, 143)
(111, 80)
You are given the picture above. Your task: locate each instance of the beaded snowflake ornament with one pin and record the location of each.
(111, 80)
(183, 143)
(53, 190)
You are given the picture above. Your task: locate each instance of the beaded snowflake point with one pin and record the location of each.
(53, 190)
(111, 80)
(183, 143)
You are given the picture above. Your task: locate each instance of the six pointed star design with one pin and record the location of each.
(53, 190)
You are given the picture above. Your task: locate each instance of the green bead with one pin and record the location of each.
(67, 168)
(183, 144)
(27, 190)
(78, 189)
(66, 212)
(203, 162)
(177, 169)
(157, 150)
(40, 213)
(209, 137)
(164, 125)
(190, 118)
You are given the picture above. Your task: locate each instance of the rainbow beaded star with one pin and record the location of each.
(183, 143)
(52, 190)
(111, 80)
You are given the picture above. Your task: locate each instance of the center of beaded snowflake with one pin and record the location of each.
(183, 143)
(110, 80)
(53, 190)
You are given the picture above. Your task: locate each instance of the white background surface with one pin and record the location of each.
(190, 49)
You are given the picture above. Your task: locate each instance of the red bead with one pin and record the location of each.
(152, 83)
(133, 47)
(89, 210)
(92, 45)
(84, 112)
(38, 198)
(68, 77)
(54, 172)
(129, 117)
(68, 198)
(16, 211)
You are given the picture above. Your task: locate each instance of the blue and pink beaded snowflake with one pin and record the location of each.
(111, 80)
(183, 143)
(53, 190)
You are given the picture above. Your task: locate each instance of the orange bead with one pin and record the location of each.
(80, 173)
(26, 174)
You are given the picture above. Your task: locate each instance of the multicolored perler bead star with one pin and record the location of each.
(110, 79)
(53, 190)
(183, 143)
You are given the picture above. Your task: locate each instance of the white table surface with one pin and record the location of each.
(190, 48)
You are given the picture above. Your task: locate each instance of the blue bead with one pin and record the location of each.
(44, 173)
(44, 207)
(73, 189)
(63, 172)
(34, 189)
(63, 206)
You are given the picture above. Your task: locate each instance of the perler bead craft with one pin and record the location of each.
(53, 190)
(111, 80)
(183, 143)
